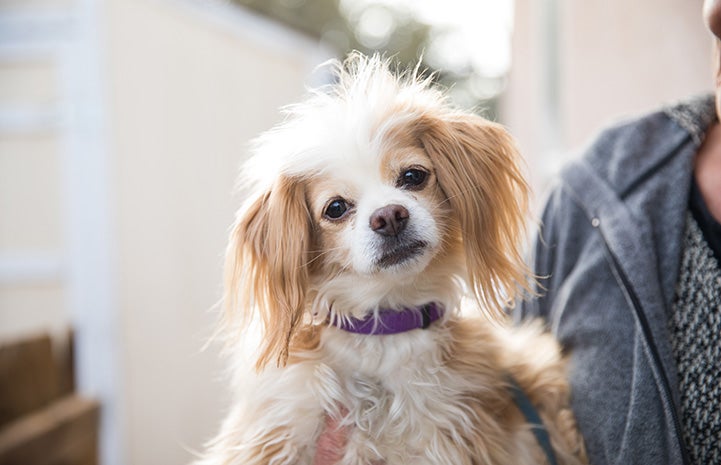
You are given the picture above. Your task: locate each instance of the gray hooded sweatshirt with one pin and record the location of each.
(608, 256)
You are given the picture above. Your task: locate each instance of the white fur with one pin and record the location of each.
(395, 420)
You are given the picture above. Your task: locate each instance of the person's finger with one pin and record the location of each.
(331, 443)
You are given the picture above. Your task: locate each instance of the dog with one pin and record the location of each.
(376, 212)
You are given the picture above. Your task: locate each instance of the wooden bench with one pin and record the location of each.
(42, 420)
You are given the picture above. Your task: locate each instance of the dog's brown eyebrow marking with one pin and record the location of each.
(397, 137)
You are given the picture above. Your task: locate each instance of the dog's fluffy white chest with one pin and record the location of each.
(426, 397)
(403, 404)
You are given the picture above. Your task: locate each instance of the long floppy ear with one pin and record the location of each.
(266, 267)
(477, 165)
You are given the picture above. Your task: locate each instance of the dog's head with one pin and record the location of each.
(374, 192)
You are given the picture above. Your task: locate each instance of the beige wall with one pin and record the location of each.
(31, 229)
(187, 95)
(614, 58)
(184, 85)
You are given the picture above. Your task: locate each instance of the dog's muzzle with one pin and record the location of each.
(390, 222)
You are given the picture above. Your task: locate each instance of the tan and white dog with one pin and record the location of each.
(375, 210)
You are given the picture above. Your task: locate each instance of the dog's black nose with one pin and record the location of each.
(389, 220)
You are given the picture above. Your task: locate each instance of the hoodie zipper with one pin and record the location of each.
(646, 328)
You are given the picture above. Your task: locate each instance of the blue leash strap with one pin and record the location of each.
(531, 414)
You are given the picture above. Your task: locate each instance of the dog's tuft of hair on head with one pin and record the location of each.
(362, 91)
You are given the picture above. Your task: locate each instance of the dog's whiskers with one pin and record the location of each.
(320, 253)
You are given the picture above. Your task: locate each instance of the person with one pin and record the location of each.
(628, 258)
(630, 283)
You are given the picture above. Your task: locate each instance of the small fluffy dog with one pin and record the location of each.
(375, 210)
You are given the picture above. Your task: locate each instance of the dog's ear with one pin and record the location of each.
(477, 166)
(266, 267)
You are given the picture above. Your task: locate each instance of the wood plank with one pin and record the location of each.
(64, 348)
(64, 433)
(28, 377)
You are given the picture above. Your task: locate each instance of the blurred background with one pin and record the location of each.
(123, 124)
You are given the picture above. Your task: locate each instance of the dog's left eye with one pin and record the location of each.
(412, 178)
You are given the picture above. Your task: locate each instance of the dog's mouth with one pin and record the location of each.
(401, 253)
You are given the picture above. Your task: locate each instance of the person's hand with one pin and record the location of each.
(331, 443)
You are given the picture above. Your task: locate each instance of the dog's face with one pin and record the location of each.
(375, 193)
(379, 213)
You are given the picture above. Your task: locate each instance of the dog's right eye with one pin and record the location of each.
(336, 209)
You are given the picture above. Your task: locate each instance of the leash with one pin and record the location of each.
(531, 414)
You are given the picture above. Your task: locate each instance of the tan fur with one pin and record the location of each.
(482, 352)
(477, 164)
(266, 267)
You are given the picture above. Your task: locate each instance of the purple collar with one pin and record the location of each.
(391, 321)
